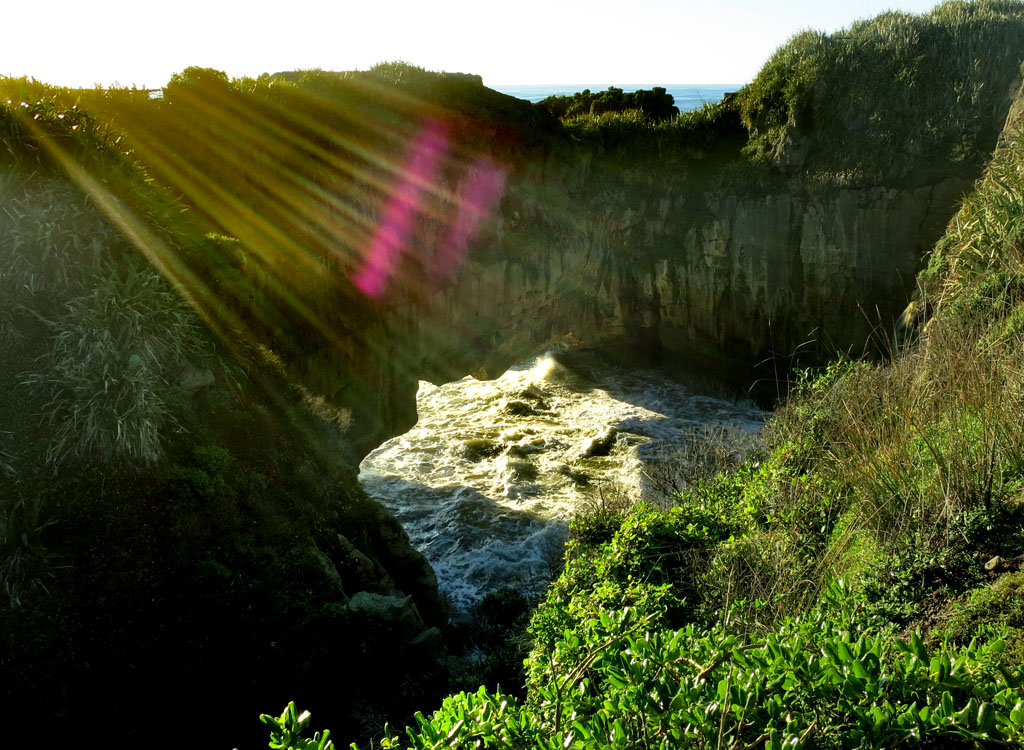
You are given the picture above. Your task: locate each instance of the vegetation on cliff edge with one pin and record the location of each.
(895, 99)
(175, 525)
(853, 584)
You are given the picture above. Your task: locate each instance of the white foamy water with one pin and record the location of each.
(486, 481)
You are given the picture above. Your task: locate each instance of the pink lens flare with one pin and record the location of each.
(478, 194)
(392, 235)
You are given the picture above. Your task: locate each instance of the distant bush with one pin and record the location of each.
(655, 103)
(196, 82)
(630, 134)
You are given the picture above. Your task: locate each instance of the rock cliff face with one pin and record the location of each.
(702, 279)
(657, 263)
(736, 285)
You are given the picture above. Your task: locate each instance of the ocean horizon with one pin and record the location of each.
(687, 96)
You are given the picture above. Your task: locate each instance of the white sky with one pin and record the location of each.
(141, 42)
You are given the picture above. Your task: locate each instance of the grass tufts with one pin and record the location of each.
(107, 366)
(26, 565)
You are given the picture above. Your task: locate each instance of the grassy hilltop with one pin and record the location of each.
(890, 100)
(184, 358)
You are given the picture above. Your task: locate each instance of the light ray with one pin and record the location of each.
(392, 236)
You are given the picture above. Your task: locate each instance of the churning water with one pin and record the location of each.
(486, 481)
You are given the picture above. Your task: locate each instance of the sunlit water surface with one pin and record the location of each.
(486, 481)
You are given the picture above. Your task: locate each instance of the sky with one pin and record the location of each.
(142, 43)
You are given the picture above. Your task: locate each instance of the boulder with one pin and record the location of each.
(359, 570)
(600, 444)
(395, 614)
(519, 409)
(519, 471)
(578, 477)
(477, 449)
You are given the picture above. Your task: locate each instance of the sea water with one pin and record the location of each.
(687, 96)
(487, 480)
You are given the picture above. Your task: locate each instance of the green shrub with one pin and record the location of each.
(26, 563)
(890, 94)
(652, 553)
(655, 103)
(112, 351)
(819, 681)
(286, 731)
(998, 606)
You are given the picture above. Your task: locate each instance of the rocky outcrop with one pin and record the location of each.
(715, 280)
(740, 276)
(737, 281)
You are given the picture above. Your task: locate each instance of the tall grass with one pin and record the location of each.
(116, 331)
(980, 261)
(894, 92)
(107, 368)
(26, 565)
(51, 239)
(873, 460)
(927, 439)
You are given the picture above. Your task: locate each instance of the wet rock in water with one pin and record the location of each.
(516, 474)
(533, 391)
(627, 437)
(520, 409)
(520, 471)
(515, 434)
(477, 449)
(598, 445)
(579, 477)
(527, 446)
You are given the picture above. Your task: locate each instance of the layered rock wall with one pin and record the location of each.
(705, 279)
